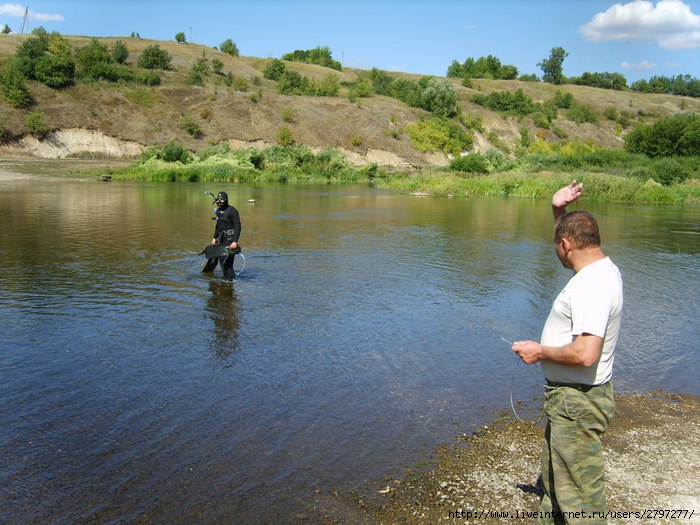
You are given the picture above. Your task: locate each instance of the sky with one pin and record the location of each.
(637, 38)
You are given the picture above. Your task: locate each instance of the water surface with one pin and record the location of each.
(365, 329)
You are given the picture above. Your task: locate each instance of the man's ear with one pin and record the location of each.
(566, 244)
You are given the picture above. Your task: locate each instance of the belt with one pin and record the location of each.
(576, 386)
(229, 232)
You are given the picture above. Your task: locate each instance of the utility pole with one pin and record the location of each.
(25, 24)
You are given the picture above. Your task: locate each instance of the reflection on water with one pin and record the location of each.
(365, 329)
(222, 308)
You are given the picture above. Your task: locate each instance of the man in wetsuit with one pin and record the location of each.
(227, 232)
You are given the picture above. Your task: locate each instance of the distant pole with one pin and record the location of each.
(190, 34)
(25, 23)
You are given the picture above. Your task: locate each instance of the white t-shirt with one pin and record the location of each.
(590, 303)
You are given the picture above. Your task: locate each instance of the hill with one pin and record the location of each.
(120, 119)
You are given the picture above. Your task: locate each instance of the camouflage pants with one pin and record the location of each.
(573, 469)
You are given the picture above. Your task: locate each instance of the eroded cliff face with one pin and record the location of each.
(83, 142)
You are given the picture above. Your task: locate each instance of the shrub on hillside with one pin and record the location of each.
(54, 71)
(119, 52)
(229, 46)
(440, 134)
(581, 113)
(13, 88)
(36, 124)
(517, 103)
(153, 57)
(274, 69)
(321, 56)
(438, 97)
(667, 137)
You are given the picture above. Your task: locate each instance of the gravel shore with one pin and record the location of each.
(652, 451)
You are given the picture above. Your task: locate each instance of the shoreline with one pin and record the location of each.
(652, 455)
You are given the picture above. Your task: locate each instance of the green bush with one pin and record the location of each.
(229, 46)
(581, 113)
(14, 89)
(119, 52)
(153, 57)
(669, 171)
(472, 163)
(440, 134)
(54, 71)
(274, 69)
(678, 135)
(517, 103)
(284, 136)
(170, 152)
(36, 124)
(191, 126)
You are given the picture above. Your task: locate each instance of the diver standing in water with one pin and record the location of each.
(227, 232)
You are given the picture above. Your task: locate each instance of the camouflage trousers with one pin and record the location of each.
(573, 469)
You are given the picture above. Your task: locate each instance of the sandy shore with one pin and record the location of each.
(12, 176)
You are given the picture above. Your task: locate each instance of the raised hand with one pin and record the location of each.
(567, 194)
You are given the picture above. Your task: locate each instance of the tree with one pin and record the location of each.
(153, 57)
(439, 97)
(229, 46)
(678, 135)
(119, 52)
(552, 67)
(6, 30)
(274, 69)
(180, 38)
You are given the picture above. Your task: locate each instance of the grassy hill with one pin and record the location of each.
(255, 112)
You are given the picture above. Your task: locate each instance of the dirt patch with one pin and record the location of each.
(652, 453)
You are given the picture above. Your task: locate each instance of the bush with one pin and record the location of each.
(171, 152)
(36, 125)
(284, 136)
(440, 134)
(153, 57)
(229, 46)
(473, 163)
(190, 126)
(119, 52)
(669, 171)
(678, 135)
(274, 69)
(438, 97)
(13, 89)
(580, 114)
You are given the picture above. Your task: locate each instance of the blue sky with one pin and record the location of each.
(638, 39)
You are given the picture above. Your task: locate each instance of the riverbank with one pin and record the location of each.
(652, 451)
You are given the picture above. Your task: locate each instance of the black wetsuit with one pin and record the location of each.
(228, 230)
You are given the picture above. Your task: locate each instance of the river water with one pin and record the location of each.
(366, 328)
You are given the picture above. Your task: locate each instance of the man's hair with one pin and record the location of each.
(580, 227)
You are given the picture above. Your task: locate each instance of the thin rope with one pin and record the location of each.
(512, 382)
(242, 267)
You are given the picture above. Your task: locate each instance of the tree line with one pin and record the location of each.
(552, 72)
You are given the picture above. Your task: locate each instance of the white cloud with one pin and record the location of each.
(644, 64)
(17, 11)
(671, 24)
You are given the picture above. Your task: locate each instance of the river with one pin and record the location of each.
(366, 328)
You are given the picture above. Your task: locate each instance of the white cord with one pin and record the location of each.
(512, 382)
(242, 267)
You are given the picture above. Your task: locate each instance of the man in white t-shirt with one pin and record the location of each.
(577, 351)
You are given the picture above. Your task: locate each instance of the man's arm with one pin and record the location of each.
(584, 350)
(565, 196)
